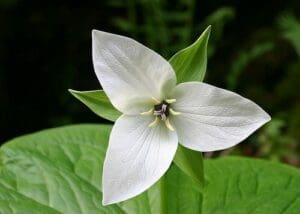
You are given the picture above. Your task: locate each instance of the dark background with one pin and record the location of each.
(254, 49)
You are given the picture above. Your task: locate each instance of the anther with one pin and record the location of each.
(155, 100)
(168, 125)
(170, 101)
(174, 112)
(147, 112)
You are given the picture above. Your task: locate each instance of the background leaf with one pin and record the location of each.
(244, 185)
(60, 170)
(290, 26)
(190, 63)
(182, 194)
(191, 163)
(14, 202)
(243, 60)
(98, 102)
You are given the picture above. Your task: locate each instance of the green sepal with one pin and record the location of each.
(98, 102)
(190, 63)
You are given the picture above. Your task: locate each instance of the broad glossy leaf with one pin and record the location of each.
(98, 102)
(235, 185)
(59, 171)
(56, 171)
(190, 63)
(243, 185)
(191, 163)
(14, 202)
(181, 193)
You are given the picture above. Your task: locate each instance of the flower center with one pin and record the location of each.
(161, 111)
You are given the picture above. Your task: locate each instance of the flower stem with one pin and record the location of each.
(163, 197)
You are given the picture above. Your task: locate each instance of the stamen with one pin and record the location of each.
(147, 112)
(168, 125)
(157, 113)
(155, 100)
(161, 111)
(154, 123)
(170, 101)
(174, 112)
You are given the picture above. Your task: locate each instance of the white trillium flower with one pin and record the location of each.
(157, 114)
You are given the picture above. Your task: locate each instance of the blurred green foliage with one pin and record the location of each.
(291, 29)
(254, 50)
(244, 58)
(169, 28)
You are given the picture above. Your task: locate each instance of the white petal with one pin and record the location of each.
(129, 72)
(136, 158)
(212, 118)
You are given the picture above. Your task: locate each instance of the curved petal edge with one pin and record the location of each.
(213, 118)
(136, 158)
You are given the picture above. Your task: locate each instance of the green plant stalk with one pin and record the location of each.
(163, 203)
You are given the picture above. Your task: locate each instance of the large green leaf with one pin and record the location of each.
(242, 185)
(235, 185)
(59, 171)
(14, 202)
(182, 194)
(191, 163)
(98, 102)
(56, 171)
(190, 63)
